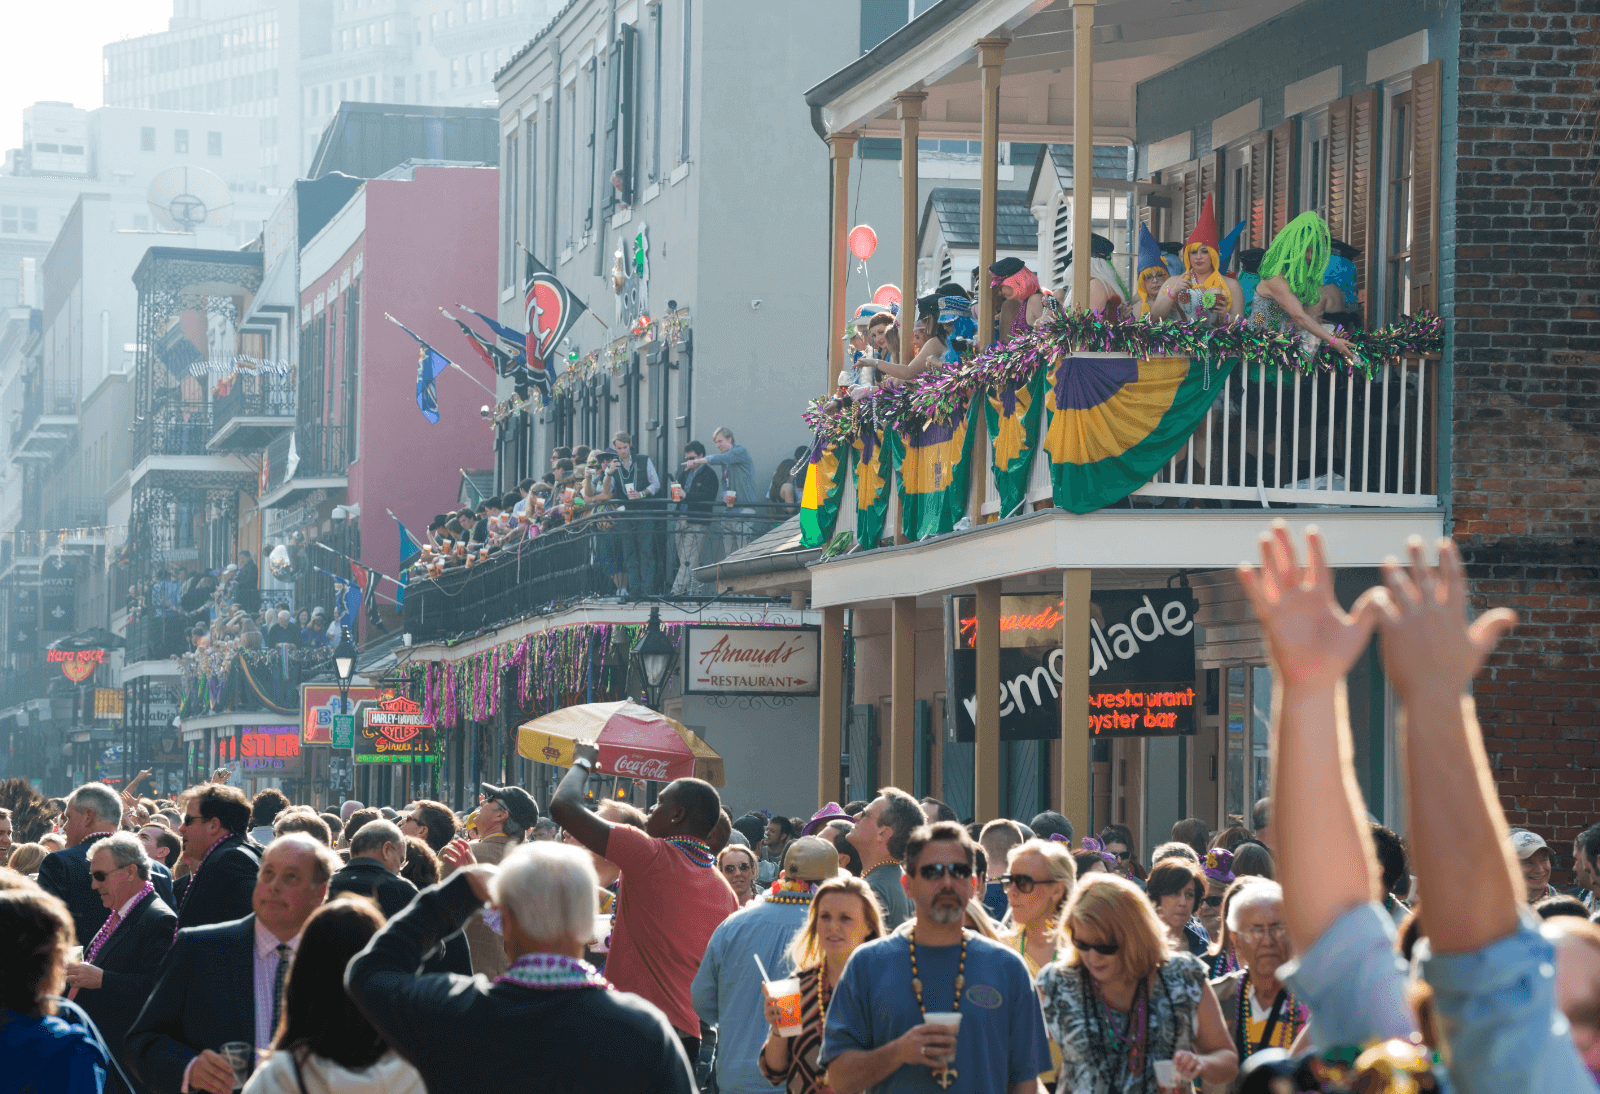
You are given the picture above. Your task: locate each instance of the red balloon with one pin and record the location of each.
(863, 241)
(886, 295)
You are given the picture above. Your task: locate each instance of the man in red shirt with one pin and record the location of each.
(671, 898)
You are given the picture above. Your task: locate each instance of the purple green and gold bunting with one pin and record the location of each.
(819, 501)
(874, 463)
(1013, 412)
(935, 463)
(1112, 420)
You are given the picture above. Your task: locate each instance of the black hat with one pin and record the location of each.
(950, 288)
(1174, 248)
(1007, 267)
(927, 305)
(517, 802)
(1099, 247)
(1344, 250)
(1250, 259)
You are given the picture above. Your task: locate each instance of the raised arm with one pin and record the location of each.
(567, 808)
(1278, 289)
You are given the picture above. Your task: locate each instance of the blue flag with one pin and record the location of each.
(430, 362)
(512, 341)
(409, 549)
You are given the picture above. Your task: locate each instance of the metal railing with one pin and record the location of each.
(172, 429)
(75, 511)
(156, 637)
(318, 452)
(60, 400)
(595, 556)
(260, 395)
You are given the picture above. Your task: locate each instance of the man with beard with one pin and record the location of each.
(894, 1011)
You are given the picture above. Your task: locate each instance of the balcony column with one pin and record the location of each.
(1076, 805)
(991, 55)
(903, 694)
(841, 147)
(830, 705)
(1082, 145)
(910, 110)
(986, 741)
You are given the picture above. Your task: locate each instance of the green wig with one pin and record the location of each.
(1286, 258)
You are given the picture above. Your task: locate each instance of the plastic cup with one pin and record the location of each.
(785, 995)
(600, 941)
(677, 491)
(729, 497)
(949, 1018)
(74, 955)
(241, 1056)
(1166, 1073)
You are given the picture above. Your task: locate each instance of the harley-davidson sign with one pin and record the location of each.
(752, 660)
(76, 665)
(393, 730)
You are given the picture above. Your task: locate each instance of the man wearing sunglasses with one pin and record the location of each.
(881, 1034)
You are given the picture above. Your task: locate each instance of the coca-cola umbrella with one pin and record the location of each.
(635, 742)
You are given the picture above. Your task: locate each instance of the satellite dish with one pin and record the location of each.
(186, 199)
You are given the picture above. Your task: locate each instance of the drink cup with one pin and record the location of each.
(677, 491)
(74, 955)
(785, 995)
(1166, 1074)
(633, 494)
(729, 497)
(241, 1055)
(600, 941)
(949, 1018)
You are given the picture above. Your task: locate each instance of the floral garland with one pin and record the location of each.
(791, 891)
(946, 390)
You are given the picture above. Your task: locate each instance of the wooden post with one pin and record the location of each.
(986, 747)
(1075, 803)
(1082, 145)
(830, 703)
(903, 694)
(841, 146)
(991, 55)
(910, 107)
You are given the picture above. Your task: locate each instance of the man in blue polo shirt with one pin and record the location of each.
(876, 1038)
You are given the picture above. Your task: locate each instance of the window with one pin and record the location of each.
(508, 243)
(1249, 699)
(141, 223)
(8, 219)
(372, 89)
(433, 24)
(399, 89)
(344, 90)
(416, 28)
(147, 138)
(688, 51)
(43, 147)
(467, 67)
(433, 83)
(30, 219)
(1314, 164)
(314, 100)
(1402, 163)
(213, 143)
(455, 71)
(180, 140)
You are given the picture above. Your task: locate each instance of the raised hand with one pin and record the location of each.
(1429, 647)
(1313, 642)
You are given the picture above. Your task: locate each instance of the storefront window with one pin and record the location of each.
(1234, 718)
(1260, 721)
(1248, 717)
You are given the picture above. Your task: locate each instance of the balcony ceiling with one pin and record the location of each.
(249, 434)
(1134, 40)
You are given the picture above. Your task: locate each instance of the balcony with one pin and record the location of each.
(20, 685)
(156, 637)
(310, 457)
(571, 563)
(48, 426)
(256, 409)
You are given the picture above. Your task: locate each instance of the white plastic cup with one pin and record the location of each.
(729, 497)
(786, 995)
(1166, 1074)
(633, 494)
(600, 941)
(949, 1018)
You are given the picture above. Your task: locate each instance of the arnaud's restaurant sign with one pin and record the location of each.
(1141, 665)
(752, 660)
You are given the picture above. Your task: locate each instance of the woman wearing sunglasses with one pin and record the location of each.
(1259, 1009)
(1217, 865)
(1121, 1000)
(1038, 883)
(738, 864)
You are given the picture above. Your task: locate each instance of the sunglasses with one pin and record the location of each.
(1022, 882)
(1104, 949)
(933, 871)
(101, 875)
(737, 868)
(1214, 901)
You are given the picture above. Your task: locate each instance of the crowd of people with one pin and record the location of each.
(653, 524)
(211, 942)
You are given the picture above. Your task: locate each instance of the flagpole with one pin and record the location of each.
(575, 296)
(358, 562)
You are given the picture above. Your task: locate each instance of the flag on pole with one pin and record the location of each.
(430, 363)
(551, 309)
(366, 586)
(489, 353)
(513, 342)
(409, 549)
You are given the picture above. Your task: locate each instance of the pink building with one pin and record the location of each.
(406, 244)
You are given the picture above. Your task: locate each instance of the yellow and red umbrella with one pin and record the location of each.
(635, 742)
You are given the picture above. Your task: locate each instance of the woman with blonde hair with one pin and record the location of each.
(1121, 999)
(737, 864)
(26, 857)
(844, 914)
(1038, 883)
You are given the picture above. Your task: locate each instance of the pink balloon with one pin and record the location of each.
(863, 241)
(886, 295)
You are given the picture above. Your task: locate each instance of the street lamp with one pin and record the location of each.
(344, 662)
(656, 653)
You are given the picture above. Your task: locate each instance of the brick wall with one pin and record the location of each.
(1526, 409)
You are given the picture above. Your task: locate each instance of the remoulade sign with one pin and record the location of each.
(751, 661)
(393, 731)
(1141, 665)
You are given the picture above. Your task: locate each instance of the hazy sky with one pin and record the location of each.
(51, 50)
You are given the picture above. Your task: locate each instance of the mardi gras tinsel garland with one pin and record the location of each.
(946, 390)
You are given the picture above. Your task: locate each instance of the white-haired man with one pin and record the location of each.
(601, 1040)
(94, 811)
(1258, 1007)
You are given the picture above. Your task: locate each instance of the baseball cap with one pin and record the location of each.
(517, 801)
(811, 858)
(1525, 843)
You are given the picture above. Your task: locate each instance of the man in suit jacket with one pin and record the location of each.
(224, 981)
(376, 856)
(93, 812)
(214, 824)
(121, 961)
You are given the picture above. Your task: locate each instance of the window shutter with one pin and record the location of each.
(946, 267)
(1365, 186)
(1061, 241)
(1281, 202)
(1425, 94)
(613, 115)
(1257, 204)
(1339, 169)
(1208, 178)
(1183, 183)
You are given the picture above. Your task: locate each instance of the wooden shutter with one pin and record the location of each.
(1339, 169)
(1258, 193)
(1425, 98)
(1281, 202)
(1365, 186)
(1209, 178)
(1183, 182)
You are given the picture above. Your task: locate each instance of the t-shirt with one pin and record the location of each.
(667, 908)
(1002, 1037)
(885, 882)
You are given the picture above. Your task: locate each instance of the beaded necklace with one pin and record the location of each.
(552, 972)
(1022, 936)
(946, 1074)
(1131, 1041)
(1283, 1022)
(696, 850)
(103, 935)
(865, 870)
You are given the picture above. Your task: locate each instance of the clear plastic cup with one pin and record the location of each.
(1166, 1073)
(949, 1018)
(633, 494)
(677, 491)
(241, 1056)
(729, 497)
(785, 995)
